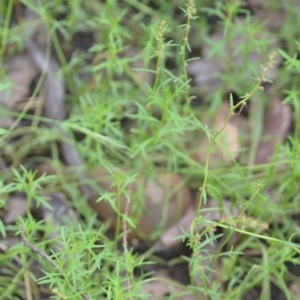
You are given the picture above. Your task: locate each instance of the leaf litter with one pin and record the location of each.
(21, 71)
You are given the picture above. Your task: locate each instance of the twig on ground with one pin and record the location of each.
(38, 251)
(45, 256)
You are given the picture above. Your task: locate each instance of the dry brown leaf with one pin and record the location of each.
(35, 27)
(164, 197)
(61, 214)
(205, 73)
(54, 102)
(158, 289)
(139, 77)
(206, 70)
(6, 122)
(256, 3)
(295, 289)
(165, 200)
(21, 72)
(167, 240)
(16, 206)
(274, 18)
(227, 144)
(253, 57)
(8, 242)
(276, 125)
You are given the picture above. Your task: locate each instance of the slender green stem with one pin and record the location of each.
(5, 29)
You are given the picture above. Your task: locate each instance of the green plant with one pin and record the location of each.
(139, 124)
